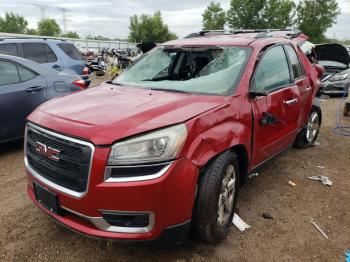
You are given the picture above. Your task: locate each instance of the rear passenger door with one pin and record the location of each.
(302, 81)
(276, 112)
(42, 54)
(21, 91)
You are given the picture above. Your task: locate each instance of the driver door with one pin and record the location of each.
(276, 110)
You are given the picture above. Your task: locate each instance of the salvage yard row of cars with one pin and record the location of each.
(166, 146)
(33, 71)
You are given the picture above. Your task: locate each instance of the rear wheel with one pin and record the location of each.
(308, 135)
(217, 198)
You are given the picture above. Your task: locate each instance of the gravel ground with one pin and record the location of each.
(26, 234)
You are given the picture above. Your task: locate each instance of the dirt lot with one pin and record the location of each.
(26, 234)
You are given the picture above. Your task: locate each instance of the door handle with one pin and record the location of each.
(308, 89)
(56, 66)
(291, 102)
(34, 89)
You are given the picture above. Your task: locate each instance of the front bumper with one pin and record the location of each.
(169, 200)
(336, 87)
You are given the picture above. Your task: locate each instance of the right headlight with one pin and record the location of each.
(158, 146)
(339, 77)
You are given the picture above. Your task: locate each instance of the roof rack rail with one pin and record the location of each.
(261, 33)
(31, 37)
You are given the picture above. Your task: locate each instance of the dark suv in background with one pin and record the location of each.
(58, 54)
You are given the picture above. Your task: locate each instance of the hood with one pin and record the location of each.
(108, 113)
(332, 52)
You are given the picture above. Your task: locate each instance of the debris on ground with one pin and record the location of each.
(253, 175)
(325, 180)
(239, 223)
(319, 229)
(317, 143)
(267, 215)
(322, 167)
(291, 183)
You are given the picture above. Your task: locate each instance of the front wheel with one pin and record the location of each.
(217, 197)
(308, 135)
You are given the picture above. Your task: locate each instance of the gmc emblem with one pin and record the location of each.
(47, 152)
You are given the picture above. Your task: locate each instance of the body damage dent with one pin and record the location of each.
(221, 133)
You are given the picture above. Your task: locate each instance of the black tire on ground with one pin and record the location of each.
(207, 220)
(302, 140)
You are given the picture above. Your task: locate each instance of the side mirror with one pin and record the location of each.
(320, 70)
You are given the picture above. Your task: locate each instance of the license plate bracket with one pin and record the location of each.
(46, 198)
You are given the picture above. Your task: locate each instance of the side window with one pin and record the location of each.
(272, 71)
(9, 74)
(8, 49)
(38, 52)
(25, 74)
(294, 60)
(71, 51)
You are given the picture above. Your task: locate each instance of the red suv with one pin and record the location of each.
(168, 143)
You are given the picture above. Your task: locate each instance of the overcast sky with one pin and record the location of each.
(111, 17)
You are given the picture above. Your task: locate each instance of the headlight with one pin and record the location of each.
(157, 146)
(339, 77)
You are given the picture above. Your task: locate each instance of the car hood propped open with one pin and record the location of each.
(332, 52)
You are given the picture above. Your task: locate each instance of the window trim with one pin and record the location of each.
(291, 66)
(40, 43)
(28, 69)
(19, 75)
(16, 46)
(258, 63)
(66, 43)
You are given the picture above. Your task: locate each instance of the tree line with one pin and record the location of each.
(16, 24)
(312, 17)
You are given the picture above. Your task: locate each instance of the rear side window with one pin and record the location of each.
(8, 73)
(8, 49)
(25, 74)
(295, 63)
(38, 52)
(71, 51)
(272, 71)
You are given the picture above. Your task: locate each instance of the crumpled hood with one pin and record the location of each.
(108, 113)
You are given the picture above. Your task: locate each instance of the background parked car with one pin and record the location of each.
(24, 85)
(335, 59)
(57, 54)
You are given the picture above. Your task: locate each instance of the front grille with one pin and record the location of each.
(71, 171)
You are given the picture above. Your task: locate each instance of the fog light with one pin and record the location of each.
(119, 219)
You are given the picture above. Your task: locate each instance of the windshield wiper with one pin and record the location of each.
(159, 78)
(170, 90)
(114, 83)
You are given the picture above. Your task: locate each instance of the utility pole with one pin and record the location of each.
(64, 19)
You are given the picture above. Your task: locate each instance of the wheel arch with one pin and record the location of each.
(243, 161)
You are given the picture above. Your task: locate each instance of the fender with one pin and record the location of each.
(217, 133)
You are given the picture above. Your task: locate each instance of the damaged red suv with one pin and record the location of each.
(166, 145)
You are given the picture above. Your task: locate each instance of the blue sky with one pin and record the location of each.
(111, 17)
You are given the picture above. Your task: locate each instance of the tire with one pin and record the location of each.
(308, 135)
(212, 226)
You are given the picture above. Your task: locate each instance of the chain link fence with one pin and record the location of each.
(81, 44)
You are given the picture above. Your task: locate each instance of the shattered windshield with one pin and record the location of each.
(210, 70)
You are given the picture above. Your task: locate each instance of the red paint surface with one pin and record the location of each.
(108, 113)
